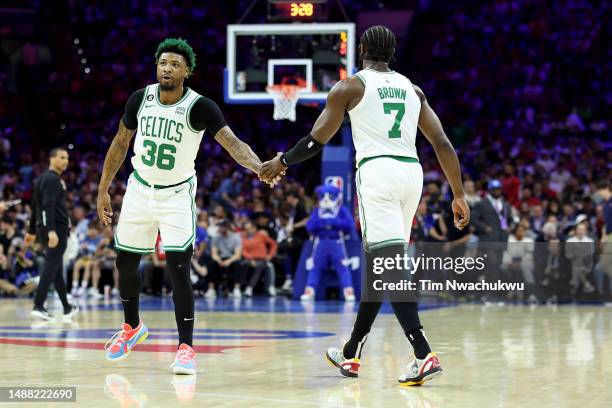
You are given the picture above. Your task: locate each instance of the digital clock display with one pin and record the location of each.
(283, 10)
(301, 10)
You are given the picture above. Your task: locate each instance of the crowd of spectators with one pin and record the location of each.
(522, 89)
(521, 86)
(559, 256)
(235, 246)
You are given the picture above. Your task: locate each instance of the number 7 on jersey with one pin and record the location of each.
(389, 107)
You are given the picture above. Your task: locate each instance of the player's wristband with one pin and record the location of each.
(283, 160)
(304, 149)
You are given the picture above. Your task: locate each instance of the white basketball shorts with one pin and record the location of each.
(147, 210)
(389, 190)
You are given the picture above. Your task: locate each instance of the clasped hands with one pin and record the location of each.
(272, 171)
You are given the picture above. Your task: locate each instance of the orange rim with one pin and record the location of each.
(288, 91)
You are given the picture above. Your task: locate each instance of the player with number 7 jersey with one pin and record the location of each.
(169, 120)
(385, 121)
(385, 110)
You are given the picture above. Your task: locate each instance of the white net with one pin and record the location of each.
(285, 101)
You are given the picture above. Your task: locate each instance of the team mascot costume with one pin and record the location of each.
(329, 224)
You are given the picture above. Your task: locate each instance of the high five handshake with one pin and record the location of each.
(272, 170)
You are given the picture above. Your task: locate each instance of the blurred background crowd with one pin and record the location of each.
(522, 88)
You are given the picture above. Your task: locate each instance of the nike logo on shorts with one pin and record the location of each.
(178, 191)
(186, 319)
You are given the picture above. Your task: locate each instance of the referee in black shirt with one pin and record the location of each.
(50, 224)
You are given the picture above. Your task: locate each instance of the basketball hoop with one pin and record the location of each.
(285, 99)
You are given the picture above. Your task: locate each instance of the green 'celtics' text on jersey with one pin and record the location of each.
(166, 144)
(386, 119)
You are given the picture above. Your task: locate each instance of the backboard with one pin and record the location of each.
(313, 56)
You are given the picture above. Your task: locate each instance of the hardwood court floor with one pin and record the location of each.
(263, 353)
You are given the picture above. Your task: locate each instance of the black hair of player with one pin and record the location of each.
(379, 42)
(177, 46)
(55, 151)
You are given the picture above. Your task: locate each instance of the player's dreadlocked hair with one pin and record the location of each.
(178, 46)
(379, 42)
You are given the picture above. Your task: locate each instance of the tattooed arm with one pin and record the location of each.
(206, 114)
(240, 151)
(114, 159)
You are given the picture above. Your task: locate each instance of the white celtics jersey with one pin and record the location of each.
(385, 121)
(166, 145)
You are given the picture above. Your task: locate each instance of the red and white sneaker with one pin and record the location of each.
(348, 367)
(185, 362)
(423, 370)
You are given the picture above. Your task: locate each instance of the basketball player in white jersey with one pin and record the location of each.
(169, 120)
(385, 109)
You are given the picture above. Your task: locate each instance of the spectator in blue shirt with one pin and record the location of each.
(228, 191)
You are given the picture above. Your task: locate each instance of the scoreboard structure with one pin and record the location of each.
(313, 56)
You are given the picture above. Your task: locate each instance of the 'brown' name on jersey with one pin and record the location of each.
(395, 93)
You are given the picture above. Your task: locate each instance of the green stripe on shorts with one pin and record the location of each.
(128, 248)
(181, 248)
(365, 227)
(404, 159)
(386, 243)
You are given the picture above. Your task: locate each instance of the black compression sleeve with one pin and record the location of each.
(130, 117)
(205, 114)
(304, 149)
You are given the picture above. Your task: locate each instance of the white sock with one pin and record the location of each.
(84, 284)
(75, 284)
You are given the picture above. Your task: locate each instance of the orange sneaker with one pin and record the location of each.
(185, 362)
(124, 341)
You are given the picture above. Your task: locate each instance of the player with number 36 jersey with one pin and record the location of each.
(168, 136)
(169, 120)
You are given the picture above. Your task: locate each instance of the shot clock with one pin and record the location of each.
(283, 10)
